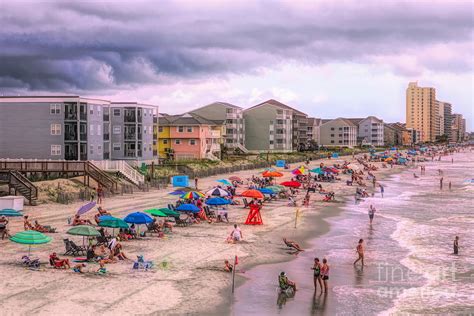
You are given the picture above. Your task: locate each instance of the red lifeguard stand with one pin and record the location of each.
(254, 217)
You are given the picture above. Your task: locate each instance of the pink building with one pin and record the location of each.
(189, 136)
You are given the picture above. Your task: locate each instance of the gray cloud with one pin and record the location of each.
(109, 45)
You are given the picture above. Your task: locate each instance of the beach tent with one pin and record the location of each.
(280, 163)
(180, 181)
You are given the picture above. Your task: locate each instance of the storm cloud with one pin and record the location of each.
(87, 46)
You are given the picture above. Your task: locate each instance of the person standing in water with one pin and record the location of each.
(456, 245)
(325, 274)
(382, 189)
(372, 211)
(360, 251)
(317, 275)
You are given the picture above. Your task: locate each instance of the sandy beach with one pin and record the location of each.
(189, 277)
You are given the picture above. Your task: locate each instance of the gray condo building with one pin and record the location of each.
(61, 128)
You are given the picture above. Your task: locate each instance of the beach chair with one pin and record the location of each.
(182, 222)
(246, 203)
(171, 207)
(30, 263)
(72, 249)
(141, 264)
(209, 213)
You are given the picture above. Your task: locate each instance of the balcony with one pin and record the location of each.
(130, 136)
(83, 137)
(231, 115)
(106, 117)
(70, 136)
(129, 118)
(106, 137)
(215, 134)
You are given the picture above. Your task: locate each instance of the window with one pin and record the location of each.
(165, 141)
(116, 146)
(180, 129)
(332, 142)
(55, 108)
(144, 130)
(189, 129)
(116, 112)
(340, 142)
(99, 131)
(117, 130)
(340, 135)
(55, 150)
(150, 129)
(271, 142)
(340, 128)
(55, 129)
(160, 129)
(279, 141)
(91, 129)
(332, 135)
(91, 149)
(192, 142)
(177, 141)
(229, 110)
(332, 128)
(99, 149)
(91, 111)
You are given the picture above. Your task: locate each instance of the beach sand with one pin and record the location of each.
(189, 277)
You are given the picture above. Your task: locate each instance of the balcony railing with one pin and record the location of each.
(70, 136)
(106, 117)
(106, 137)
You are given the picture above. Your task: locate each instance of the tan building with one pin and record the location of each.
(339, 132)
(458, 128)
(422, 111)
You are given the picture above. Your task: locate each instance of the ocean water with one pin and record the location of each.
(410, 267)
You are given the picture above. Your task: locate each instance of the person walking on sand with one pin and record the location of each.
(382, 189)
(325, 274)
(100, 194)
(196, 183)
(372, 211)
(360, 251)
(449, 185)
(317, 275)
(456, 245)
(441, 183)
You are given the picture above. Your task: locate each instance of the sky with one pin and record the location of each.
(325, 58)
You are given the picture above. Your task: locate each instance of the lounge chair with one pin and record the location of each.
(183, 222)
(30, 263)
(209, 213)
(141, 264)
(72, 249)
(246, 203)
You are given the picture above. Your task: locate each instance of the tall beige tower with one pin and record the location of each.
(422, 111)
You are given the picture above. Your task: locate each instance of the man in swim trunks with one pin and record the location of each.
(325, 274)
(360, 252)
(372, 211)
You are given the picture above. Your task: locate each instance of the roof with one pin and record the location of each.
(277, 104)
(219, 103)
(345, 120)
(184, 119)
(355, 121)
(314, 121)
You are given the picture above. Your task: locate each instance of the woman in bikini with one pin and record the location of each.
(360, 252)
(317, 274)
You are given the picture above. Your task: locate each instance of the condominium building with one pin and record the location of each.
(422, 111)
(338, 132)
(395, 134)
(132, 131)
(370, 131)
(458, 128)
(313, 131)
(55, 127)
(75, 128)
(274, 126)
(445, 118)
(188, 136)
(232, 117)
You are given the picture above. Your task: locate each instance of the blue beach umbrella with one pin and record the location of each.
(188, 208)
(266, 191)
(177, 192)
(138, 218)
(217, 201)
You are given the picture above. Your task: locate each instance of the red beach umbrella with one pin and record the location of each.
(252, 194)
(235, 178)
(291, 184)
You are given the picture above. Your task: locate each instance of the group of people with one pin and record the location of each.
(320, 277)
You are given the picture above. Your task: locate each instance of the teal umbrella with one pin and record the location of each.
(84, 231)
(113, 223)
(317, 170)
(156, 212)
(8, 212)
(30, 237)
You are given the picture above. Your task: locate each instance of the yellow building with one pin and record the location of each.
(164, 141)
(422, 113)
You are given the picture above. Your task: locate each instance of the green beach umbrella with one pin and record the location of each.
(30, 237)
(155, 212)
(113, 223)
(167, 211)
(274, 188)
(84, 231)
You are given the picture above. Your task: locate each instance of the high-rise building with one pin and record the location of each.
(458, 128)
(422, 112)
(445, 119)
